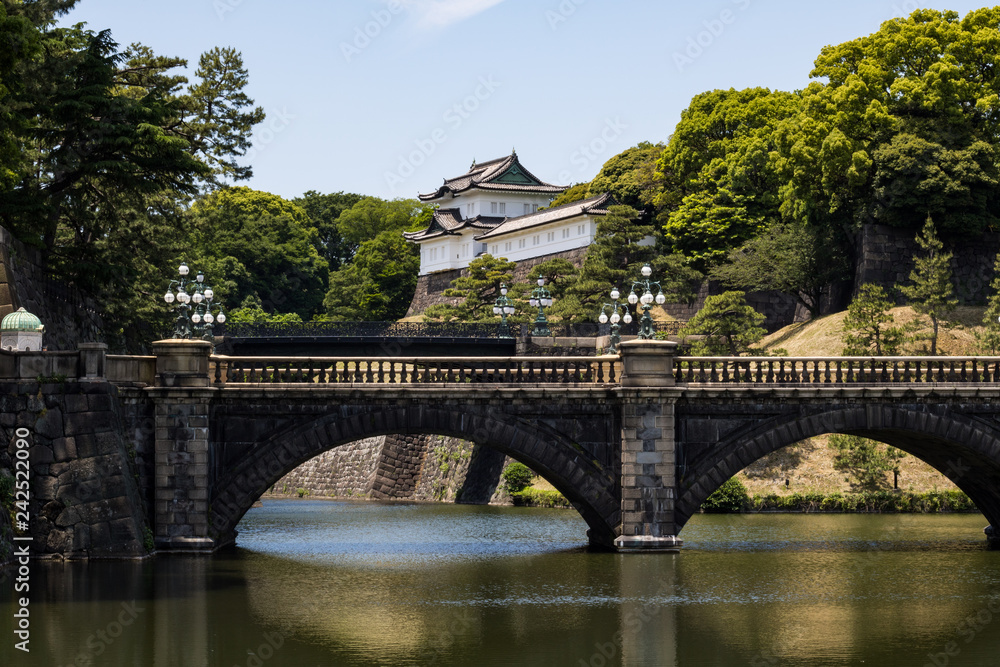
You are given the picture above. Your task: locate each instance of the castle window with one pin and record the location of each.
(566, 233)
(535, 240)
(493, 207)
(521, 243)
(527, 209)
(506, 247)
(503, 208)
(551, 237)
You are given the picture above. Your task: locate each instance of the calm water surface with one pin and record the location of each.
(325, 583)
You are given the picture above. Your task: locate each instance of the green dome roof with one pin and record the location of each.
(21, 320)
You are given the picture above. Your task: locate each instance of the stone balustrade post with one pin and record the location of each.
(183, 397)
(649, 478)
(92, 359)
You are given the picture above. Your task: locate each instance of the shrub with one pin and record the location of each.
(732, 496)
(516, 476)
(539, 498)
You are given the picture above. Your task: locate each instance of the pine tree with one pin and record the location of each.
(478, 291)
(932, 292)
(728, 326)
(865, 330)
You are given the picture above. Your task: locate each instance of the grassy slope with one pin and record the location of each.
(808, 465)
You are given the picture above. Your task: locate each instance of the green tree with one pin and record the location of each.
(371, 216)
(571, 194)
(378, 284)
(729, 498)
(867, 461)
(788, 258)
(324, 211)
(478, 291)
(218, 116)
(931, 291)
(258, 244)
(988, 340)
(726, 324)
(867, 329)
(631, 176)
(251, 311)
(898, 125)
(516, 476)
(719, 184)
(614, 259)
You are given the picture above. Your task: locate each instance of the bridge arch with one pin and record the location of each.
(964, 449)
(592, 489)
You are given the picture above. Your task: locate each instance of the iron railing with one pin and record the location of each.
(835, 370)
(416, 370)
(593, 329)
(397, 330)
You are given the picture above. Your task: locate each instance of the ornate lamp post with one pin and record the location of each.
(643, 287)
(194, 306)
(503, 307)
(541, 299)
(615, 318)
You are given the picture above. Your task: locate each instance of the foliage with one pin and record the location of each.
(573, 193)
(251, 311)
(378, 284)
(901, 126)
(257, 244)
(732, 496)
(931, 291)
(516, 476)
(988, 340)
(539, 498)
(866, 501)
(727, 324)
(788, 258)
(478, 291)
(631, 176)
(720, 187)
(323, 212)
(101, 148)
(614, 259)
(866, 460)
(866, 326)
(371, 216)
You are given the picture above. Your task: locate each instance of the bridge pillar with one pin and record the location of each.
(182, 396)
(647, 456)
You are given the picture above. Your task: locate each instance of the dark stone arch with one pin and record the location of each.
(594, 491)
(964, 449)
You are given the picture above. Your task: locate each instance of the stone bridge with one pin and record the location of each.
(636, 442)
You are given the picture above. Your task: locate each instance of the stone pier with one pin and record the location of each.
(647, 451)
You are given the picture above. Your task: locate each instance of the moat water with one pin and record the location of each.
(330, 583)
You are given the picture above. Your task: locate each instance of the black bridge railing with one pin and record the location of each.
(408, 330)
(419, 370)
(835, 370)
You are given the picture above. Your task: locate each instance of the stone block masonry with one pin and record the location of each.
(86, 500)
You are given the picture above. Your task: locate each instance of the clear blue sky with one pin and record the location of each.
(436, 83)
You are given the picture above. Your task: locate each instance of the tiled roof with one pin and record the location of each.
(593, 206)
(450, 221)
(488, 175)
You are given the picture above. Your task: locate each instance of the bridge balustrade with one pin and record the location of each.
(417, 370)
(835, 370)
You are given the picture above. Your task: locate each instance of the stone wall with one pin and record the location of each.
(85, 495)
(399, 466)
(69, 317)
(885, 257)
(347, 471)
(411, 467)
(430, 287)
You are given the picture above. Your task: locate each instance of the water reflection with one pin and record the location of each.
(358, 584)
